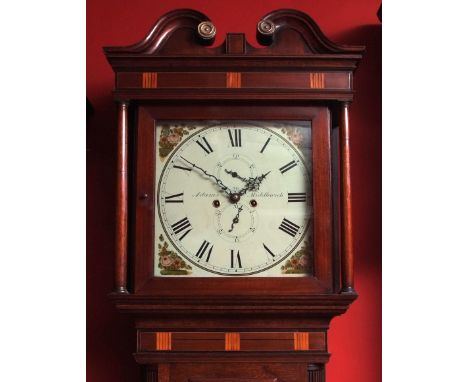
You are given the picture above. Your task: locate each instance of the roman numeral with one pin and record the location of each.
(182, 168)
(201, 251)
(174, 198)
(183, 225)
(289, 227)
(205, 145)
(296, 197)
(268, 250)
(235, 137)
(265, 145)
(235, 260)
(288, 166)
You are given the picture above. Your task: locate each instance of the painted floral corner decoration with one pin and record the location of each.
(170, 137)
(295, 135)
(298, 263)
(170, 263)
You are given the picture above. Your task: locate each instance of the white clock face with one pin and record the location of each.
(233, 199)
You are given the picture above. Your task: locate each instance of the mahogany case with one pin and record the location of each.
(243, 328)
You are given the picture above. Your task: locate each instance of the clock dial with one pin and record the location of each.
(233, 199)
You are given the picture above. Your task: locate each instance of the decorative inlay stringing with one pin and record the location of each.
(233, 80)
(163, 340)
(150, 341)
(150, 80)
(232, 341)
(317, 80)
(301, 341)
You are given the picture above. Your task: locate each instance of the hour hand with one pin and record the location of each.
(234, 174)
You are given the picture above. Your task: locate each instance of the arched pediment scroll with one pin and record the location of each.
(188, 32)
(287, 31)
(176, 32)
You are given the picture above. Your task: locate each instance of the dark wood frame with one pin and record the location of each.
(146, 283)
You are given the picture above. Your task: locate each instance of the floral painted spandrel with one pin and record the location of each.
(170, 263)
(299, 262)
(171, 135)
(298, 135)
(294, 134)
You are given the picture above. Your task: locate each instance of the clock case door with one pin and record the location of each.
(325, 278)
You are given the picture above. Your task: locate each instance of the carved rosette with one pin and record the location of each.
(207, 31)
(266, 27)
(265, 31)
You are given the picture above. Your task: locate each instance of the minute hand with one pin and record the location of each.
(218, 181)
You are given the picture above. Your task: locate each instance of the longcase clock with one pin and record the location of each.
(234, 235)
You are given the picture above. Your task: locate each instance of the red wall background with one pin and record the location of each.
(354, 339)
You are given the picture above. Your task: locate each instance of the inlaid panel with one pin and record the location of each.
(232, 341)
(234, 80)
(301, 341)
(163, 341)
(150, 80)
(317, 80)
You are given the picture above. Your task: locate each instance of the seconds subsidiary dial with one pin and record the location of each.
(233, 198)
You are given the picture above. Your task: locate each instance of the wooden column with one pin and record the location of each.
(347, 257)
(151, 375)
(316, 373)
(121, 201)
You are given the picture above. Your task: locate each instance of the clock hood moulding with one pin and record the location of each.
(174, 64)
(295, 43)
(159, 40)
